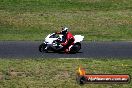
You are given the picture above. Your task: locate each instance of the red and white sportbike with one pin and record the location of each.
(52, 44)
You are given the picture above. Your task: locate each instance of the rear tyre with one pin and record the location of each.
(76, 47)
(42, 47)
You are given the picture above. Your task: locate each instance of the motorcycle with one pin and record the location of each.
(52, 43)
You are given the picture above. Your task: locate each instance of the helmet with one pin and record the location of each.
(64, 30)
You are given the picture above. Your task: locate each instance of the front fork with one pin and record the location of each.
(46, 46)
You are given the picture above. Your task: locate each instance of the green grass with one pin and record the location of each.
(95, 19)
(59, 73)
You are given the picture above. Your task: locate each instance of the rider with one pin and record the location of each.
(68, 39)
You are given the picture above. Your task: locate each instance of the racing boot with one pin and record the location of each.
(66, 51)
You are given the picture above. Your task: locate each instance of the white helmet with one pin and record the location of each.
(64, 30)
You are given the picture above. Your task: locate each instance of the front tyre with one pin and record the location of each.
(42, 47)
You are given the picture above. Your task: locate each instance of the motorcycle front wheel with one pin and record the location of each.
(42, 47)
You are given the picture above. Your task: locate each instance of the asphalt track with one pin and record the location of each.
(22, 49)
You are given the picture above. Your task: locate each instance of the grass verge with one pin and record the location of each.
(95, 19)
(58, 73)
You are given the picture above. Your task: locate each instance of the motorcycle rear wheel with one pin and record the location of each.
(76, 47)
